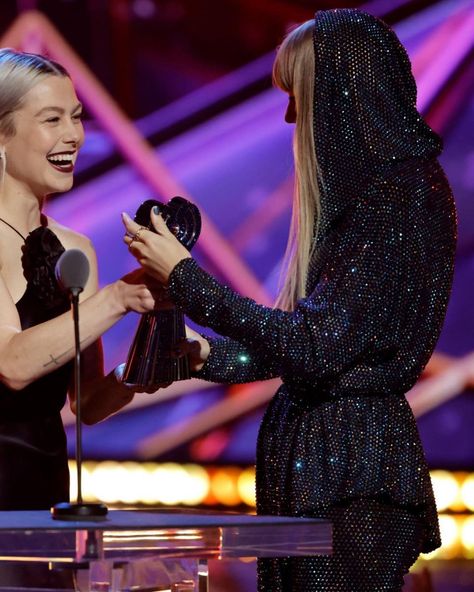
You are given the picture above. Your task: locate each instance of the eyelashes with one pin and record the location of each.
(76, 118)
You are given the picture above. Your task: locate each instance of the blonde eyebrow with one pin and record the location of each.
(58, 109)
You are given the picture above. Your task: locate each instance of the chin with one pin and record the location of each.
(60, 187)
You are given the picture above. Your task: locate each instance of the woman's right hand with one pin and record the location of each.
(196, 347)
(135, 292)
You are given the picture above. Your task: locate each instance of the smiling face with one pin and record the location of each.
(41, 155)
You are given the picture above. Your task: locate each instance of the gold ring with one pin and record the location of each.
(136, 236)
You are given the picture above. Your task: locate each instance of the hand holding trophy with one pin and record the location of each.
(151, 361)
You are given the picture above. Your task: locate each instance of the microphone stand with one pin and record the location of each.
(78, 510)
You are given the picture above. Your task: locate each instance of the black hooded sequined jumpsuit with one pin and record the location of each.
(339, 439)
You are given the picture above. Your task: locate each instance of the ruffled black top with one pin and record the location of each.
(33, 455)
(340, 427)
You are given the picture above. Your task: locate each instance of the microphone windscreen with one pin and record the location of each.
(72, 270)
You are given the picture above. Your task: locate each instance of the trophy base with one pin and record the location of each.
(79, 511)
(150, 363)
(158, 373)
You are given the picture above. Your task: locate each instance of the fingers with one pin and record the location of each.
(158, 222)
(133, 231)
(130, 226)
(136, 234)
(153, 390)
(185, 347)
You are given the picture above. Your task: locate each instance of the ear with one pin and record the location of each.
(4, 139)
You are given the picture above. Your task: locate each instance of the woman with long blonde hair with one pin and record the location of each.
(370, 262)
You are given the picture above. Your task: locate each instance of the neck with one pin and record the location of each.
(20, 208)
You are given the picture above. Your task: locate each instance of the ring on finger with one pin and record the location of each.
(136, 236)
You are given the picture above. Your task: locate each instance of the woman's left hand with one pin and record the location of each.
(158, 253)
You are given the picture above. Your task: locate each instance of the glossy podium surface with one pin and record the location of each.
(143, 550)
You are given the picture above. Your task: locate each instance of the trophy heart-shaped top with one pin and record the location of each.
(180, 215)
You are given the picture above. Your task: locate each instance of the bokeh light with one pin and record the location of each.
(446, 489)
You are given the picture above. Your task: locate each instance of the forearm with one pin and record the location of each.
(102, 397)
(327, 331)
(27, 355)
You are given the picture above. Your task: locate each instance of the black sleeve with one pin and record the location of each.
(355, 296)
(231, 362)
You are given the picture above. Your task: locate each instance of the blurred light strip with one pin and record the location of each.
(131, 482)
(270, 209)
(381, 8)
(207, 96)
(448, 47)
(435, 390)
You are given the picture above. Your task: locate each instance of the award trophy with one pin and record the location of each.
(150, 360)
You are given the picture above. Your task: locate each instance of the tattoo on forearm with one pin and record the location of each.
(55, 360)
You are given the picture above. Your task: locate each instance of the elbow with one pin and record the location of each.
(16, 371)
(89, 416)
(90, 419)
(13, 380)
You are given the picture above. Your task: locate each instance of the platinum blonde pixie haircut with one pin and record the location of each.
(294, 72)
(19, 72)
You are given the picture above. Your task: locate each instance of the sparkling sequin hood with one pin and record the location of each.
(365, 116)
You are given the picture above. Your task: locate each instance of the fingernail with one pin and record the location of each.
(125, 216)
(156, 210)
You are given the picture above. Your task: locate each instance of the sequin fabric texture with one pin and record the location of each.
(339, 430)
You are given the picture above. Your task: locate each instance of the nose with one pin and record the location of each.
(73, 134)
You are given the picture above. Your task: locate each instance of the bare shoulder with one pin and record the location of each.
(71, 239)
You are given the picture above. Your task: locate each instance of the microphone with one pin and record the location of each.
(72, 273)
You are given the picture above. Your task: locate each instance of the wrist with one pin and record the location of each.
(114, 294)
(126, 391)
(204, 352)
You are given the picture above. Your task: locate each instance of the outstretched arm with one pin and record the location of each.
(26, 355)
(223, 360)
(348, 309)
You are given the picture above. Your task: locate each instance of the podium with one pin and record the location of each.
(161, 550)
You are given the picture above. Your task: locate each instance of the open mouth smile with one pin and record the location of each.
(62, 161)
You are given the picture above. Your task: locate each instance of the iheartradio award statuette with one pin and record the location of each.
(150, 360)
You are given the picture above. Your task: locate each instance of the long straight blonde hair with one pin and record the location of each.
(294, 72)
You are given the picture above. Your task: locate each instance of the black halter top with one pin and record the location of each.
(33, 453)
